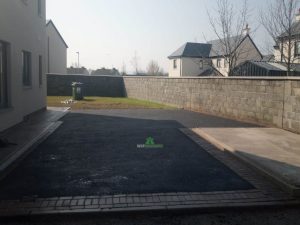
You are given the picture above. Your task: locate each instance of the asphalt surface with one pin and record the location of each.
(97, 154)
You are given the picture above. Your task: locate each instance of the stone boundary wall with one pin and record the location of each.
(267, 101)
(106, 86)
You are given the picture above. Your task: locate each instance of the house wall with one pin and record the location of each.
(23, 29)
(223, 69)
(270, 101)
(56, 51)
(246, 51)
(191, 67)
(284, 46)
(175, 72)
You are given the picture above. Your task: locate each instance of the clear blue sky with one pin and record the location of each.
(108, 32)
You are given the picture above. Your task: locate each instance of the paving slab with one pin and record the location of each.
(274, 152)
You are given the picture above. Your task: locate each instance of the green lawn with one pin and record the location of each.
(105, 103)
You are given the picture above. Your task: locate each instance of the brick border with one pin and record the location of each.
(265, 194)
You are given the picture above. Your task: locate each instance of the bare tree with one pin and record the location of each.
(228, 24)
(123, 72)
(278, 21)
(135, 63)
(153, 68)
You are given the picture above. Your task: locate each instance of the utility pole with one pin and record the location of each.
(78, 60)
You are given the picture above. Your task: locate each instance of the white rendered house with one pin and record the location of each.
(208, 59)
(22, 59)
(56, 50)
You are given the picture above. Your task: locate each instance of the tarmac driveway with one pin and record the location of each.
(99, 153)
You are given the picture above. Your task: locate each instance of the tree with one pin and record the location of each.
(278, 21)
(153, 68)
(123, 72)
(135, 63)
(228, 24)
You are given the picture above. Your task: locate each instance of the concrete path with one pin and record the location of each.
(274, 152)
(26, 135)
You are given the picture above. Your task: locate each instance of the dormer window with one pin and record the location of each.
(297, 48)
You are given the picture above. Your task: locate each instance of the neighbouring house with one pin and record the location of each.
(56, 50)
(22, 60)
(108, 72)
(209, 59)
(77, 71)
(276, 65)
(281, 47)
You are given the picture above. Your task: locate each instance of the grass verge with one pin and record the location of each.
(105, 103)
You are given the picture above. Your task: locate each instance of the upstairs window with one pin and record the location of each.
(225, 63)
(175, 64)
(201, 64)
(297, 48)
(218, 63)
(39, 3)
(3, 75)
(26, 68)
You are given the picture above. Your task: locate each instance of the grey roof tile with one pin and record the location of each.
(193, 50)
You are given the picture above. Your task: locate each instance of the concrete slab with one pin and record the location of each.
(28, 134)
(274, 152)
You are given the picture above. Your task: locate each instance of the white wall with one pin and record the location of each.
(23, 29)
(57, 52)
(175, 72)
(192, 67)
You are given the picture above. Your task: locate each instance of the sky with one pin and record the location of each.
(108, 33)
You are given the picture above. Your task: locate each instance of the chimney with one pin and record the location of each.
(247, 29)
(298, 16)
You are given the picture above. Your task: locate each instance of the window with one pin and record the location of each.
(175, 64)
(39, 3)
(26, 68)
(297, 48)
(218, 63)
(3, 75)
(40, 70)
(201, 64)
(225, 63)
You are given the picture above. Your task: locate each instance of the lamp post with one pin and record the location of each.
(78, 60)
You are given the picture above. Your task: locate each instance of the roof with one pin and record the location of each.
(218, 49)
(48, 22)
(268, 58)
(192, 50)
(270, 66)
